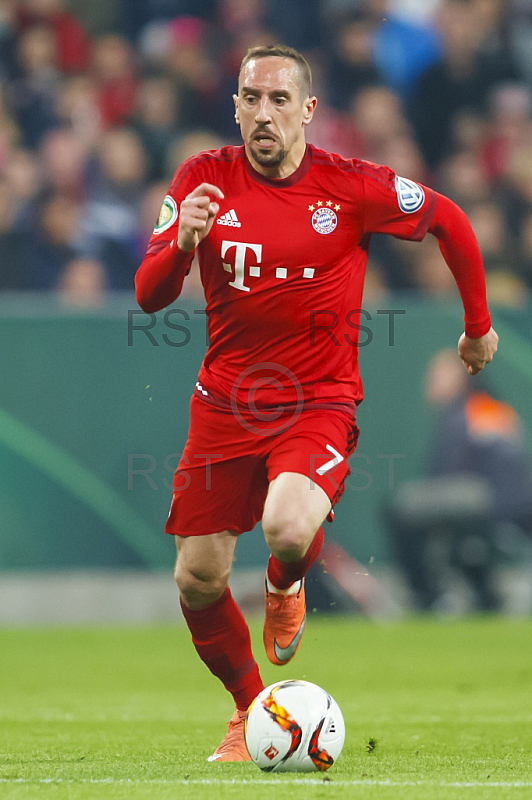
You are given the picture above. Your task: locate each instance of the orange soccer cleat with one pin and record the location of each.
(284, 623)
(233, 747)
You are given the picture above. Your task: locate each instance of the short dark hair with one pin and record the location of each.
(283, 51)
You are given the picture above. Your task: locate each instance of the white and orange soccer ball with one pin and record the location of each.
(294, 726)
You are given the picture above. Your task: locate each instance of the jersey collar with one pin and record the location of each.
(280, 183)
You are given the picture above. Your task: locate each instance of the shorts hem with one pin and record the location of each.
(233, 528)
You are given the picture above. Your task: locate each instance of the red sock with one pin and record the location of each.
(221, 637)
(283, 573)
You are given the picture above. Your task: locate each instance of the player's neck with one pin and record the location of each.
(288, 166)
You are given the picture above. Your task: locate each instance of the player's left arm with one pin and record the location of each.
(408, 210)
(459, 248)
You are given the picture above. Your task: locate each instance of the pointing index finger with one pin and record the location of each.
(209, 189)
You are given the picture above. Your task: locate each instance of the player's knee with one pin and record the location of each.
(199, 587)
(288, 539)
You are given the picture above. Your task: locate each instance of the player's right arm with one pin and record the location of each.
(185, 220)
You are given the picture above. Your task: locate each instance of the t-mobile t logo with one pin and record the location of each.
(240, 262)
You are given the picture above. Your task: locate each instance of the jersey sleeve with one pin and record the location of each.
(395, 205)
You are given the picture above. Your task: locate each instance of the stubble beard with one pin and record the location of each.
(268, 159)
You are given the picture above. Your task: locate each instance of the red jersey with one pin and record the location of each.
(283, 269)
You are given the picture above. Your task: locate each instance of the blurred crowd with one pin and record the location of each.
(101, 101)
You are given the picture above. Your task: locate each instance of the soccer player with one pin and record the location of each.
(281, 230)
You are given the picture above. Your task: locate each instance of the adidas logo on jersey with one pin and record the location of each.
(230, 219)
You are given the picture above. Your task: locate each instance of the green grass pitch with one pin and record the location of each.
(132, 713)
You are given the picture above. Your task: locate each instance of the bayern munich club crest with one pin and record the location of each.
(324, 220)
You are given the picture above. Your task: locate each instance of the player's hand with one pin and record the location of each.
(196, 215)
(475, 353)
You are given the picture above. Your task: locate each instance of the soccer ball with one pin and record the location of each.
(294, 726)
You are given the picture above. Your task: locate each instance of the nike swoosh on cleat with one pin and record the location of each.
(214, 757)
(286, 653)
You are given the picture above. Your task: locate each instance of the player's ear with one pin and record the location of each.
(235, 101)
(308, 109)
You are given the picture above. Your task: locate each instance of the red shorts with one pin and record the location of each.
(223, 476)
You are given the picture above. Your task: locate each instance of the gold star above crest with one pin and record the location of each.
(311, 208)
(319, 203)
(329, 203)
(337, 207)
